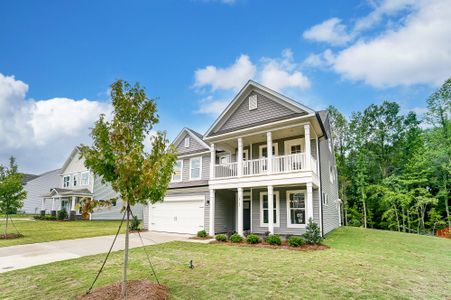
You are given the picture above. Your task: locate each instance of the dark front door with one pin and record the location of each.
(246, 215)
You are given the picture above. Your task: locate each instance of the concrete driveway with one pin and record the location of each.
(24, 256)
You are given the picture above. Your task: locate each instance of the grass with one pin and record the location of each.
(361, 263)
(44, 231)
(18, 216)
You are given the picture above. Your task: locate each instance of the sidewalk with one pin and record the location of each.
(24, 256)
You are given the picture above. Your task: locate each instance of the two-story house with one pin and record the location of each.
(65, 187)
(266, 164)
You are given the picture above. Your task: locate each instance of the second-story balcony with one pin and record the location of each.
(261, 166)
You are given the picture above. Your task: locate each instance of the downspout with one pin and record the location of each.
(320, 189)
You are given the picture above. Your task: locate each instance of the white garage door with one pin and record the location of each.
(181, 214)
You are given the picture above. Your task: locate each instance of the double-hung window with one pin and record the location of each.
(66, 181)
(178, 167)
(85, 178)
(296, 208)
(195, 168)
(264, 209)
(75, 180)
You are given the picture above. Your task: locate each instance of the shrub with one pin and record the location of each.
(296, 241)
(313, 233)
(246, 233)
(236, 238)
(230, 233)
(62, 214)
(221, 237)
(202, 234)
(252, 239)
(273, 239)
(134, 225)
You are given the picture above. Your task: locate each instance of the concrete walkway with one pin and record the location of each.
(24, 256)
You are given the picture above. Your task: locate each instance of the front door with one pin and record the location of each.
(246, 215)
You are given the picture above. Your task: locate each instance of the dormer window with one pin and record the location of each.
(66, 181)
(187, 142)
(252, 102)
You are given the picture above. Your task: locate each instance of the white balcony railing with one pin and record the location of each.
(226, 170)
(280, 164)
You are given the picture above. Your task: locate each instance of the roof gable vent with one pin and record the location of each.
(252, 102)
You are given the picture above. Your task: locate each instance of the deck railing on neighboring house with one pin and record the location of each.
(280, 164)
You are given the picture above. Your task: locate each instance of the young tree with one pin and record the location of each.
(119, 157)
(12, 193)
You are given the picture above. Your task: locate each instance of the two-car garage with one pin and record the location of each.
(178, 213)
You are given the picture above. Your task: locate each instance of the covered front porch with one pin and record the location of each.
(248, 209)
(64, 199)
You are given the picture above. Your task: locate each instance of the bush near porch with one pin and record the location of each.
(361, 263)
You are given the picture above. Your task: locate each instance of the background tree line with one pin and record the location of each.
(393, 168)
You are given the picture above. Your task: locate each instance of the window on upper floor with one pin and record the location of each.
(331, 173)
(325, 197)
(66, 181)
(224, 159)
(187, 142)
(178, 167)
(85, 178)
(195, 168)
(75, 180)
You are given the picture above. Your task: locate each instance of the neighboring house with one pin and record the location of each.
(222, 180)
(65, 187)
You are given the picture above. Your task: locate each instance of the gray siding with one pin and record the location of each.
(194, 145)
(104, 191)
(36, 188)
(282, 229)
(267, 111)
(225, 207)
(330, 211)
(185, 173)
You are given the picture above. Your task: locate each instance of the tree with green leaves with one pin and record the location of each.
(119, 157)
(12, 193)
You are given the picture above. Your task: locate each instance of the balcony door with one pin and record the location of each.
(294, 162)
(263, 153)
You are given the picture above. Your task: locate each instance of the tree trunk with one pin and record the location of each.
(6, 227)
(124, 282)
(364, 209)
(397, 218)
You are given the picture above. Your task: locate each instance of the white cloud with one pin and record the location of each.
(232, 77)
(41, 133)
(331, 31)
(324, 59)
(419, 52)
(280, 74)
(211, 106)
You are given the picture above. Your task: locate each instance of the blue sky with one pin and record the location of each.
(58, 58)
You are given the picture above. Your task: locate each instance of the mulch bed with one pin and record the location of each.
(137, 290)
(306, 247)
(10, 236)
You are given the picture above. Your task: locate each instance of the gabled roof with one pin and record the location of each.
(195, 135)
(67, 192)
(69, 159)
(28, 177)
(252, 85)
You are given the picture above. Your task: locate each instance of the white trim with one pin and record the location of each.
(277, 194)
(200, 168)
(186, 141)
(252, 204)
(276, 149)
(193, 154)
(289, 224)
(183, 198)
(224, 155)
(81, 178)
(64, 176)
(252, 85)
(293, 142)
(181, 172)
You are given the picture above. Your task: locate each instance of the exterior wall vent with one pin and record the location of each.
(187, 142)
(252, 102)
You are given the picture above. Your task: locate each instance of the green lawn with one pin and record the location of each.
(44, 231)
(361, 263)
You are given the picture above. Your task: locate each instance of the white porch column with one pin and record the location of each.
(309, 213)
(308, 150)
(240, 157)
(212, 161)
(72, 207)
(269, 151)
(60, 203)
(211, 230)
(43, 204)
(240, 211)
(53, 204)
(270, 209)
